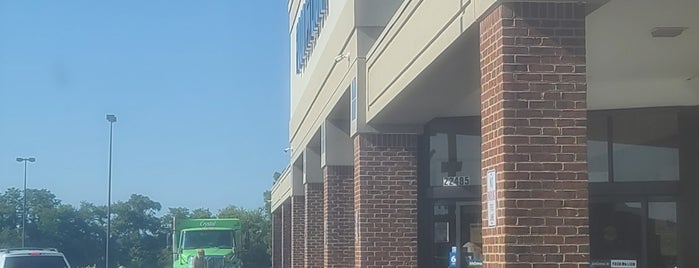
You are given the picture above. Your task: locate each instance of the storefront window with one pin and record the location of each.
(615, 231)
(439, 153)
(662, 234)
(597, 148)
(646, 146)
(455, 152)
(468, 150)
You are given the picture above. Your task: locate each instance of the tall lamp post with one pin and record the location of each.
(111, 118)
(24, 194)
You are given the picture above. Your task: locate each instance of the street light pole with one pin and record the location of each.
(111, 118)
(24, 196)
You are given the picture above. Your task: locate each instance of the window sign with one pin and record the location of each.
(623, 263)
(452, 257)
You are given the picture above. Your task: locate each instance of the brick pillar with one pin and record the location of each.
(338, 216)
(314, 225)
(534, 134)
(286, 234)
(298, 221)
(277, 239)
(385, 200)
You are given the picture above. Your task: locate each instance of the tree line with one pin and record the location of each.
(140, 238)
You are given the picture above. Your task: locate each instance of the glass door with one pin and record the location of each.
(468, 234)
(630, 232)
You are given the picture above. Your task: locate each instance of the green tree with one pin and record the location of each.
(10, 218)
(136, 232)
(201, 213)
(254, 224)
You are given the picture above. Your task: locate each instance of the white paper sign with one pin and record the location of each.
(623, 263)
(492, 198)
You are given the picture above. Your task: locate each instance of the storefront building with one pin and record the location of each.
(483, 133)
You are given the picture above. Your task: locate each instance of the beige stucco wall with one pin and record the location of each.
(420, 31)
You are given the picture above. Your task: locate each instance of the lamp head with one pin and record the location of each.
(111, 118)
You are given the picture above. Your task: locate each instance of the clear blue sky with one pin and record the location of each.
(200, 89)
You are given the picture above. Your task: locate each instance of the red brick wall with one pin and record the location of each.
(286, 234)
(277, 238)
(534, 134)
(338, 216)
(298, 218)
(314, 225)
(385, 195)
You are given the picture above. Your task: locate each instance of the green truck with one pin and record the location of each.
(219, 238)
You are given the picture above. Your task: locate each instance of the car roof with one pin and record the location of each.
(24, 251)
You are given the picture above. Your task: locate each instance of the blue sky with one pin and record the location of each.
(200, 89)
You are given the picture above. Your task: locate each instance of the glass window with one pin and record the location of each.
(439, 153)
(455, 155)
(597, 148)
(645, 146)
(208, 239)
(468, 151)
(615, 231)
(35, 262)
(662, 234)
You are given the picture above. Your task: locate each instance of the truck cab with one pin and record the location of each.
(218, 238)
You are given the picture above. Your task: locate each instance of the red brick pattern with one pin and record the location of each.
(298, 218)
(534, 134)
(286, 234)
(338, 216)
(314, 225)
(277, 239)
(385, 195)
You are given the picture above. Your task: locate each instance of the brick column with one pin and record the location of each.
(277, 239)
(534, 134)
(314, 225)
(298, 221)
(286, 234)
(385, 200)
(338, 216)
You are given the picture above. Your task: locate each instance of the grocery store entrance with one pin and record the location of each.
(449, 194)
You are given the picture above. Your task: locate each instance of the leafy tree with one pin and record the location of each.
(201, 213)
(136, 230)
(139, 236)
(255, 224)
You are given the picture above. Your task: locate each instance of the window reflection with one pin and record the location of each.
(439, 153)
(597, 152)
(645, 146)
(615, 230)
(662, 235)
(455, 150)
(468, 151)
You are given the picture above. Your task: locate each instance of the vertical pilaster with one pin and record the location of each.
(277, 238)
(338, 216)
(298, 219)
(314, 225)
(385, 200)
(286, 234)
(534, 134)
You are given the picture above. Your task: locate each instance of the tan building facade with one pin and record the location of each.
(469, 133)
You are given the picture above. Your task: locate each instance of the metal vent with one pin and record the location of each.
(667, 31)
